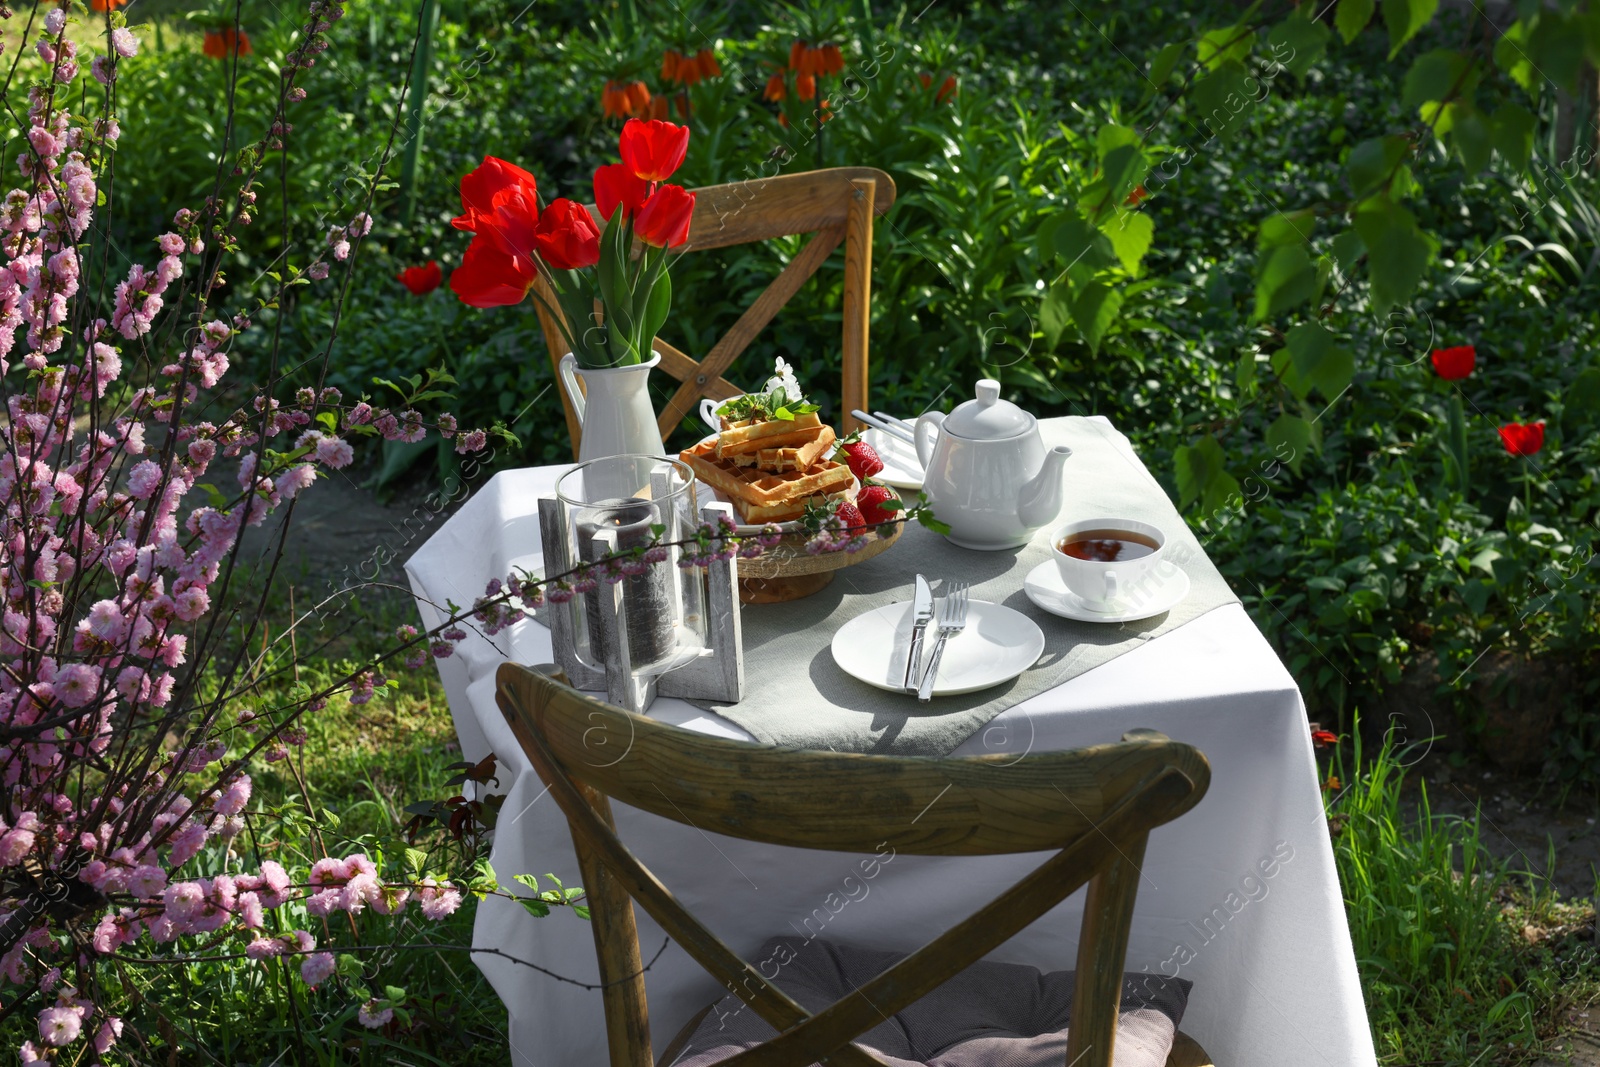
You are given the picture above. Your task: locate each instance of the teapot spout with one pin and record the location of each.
(1041, 498)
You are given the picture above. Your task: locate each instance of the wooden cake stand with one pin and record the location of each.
(786, 571)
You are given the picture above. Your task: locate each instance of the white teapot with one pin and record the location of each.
(989, 475)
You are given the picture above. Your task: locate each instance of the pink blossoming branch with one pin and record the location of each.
(117, 585)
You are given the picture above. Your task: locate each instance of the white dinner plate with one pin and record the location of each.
(900, 466)
(1169, 585)
(997, 645)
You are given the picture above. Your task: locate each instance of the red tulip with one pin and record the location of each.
(422, 279)
(479, 187)
(615, 184)
(567, 237)
(1453, 364)
(488, 277)
(1523, 439)
(654, 149)
(663, 221)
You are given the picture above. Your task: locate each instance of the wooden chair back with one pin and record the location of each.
(1095, 806)
(838, 205)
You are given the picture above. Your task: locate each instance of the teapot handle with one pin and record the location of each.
(927, 432)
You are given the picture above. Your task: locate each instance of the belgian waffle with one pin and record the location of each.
(778, 460)
(766, 496)
(739, 436)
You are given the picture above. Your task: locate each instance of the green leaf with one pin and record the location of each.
(1511, 54)
(1471, 137)
(1130, 233)
(1397, 251)
(1122, 168)
(1372, 163)
(1511, 130)
(1287, 278)
(655, 312)
(1404, 18)
(1094, 310)
(1055, 312)
(1432, 76)
(1112, 136)
(1293, 228)
(1197, 466)
(1297, 42)
(1290, 438)
(1334, 373)
(1556, 49)
(1222, 46)
(1352, 17)
(1244, 374)
(1162, 66)
(1347, 249)
(416, 860)
(1221, 100)
(1077, 241)
(1295, 363)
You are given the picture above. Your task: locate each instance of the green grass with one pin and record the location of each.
(1462, 960)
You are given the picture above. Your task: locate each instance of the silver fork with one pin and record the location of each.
(952, 620)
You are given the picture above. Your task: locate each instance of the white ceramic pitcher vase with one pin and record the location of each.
(616, 416)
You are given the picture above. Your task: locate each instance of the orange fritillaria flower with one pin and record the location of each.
(220, 44)
(671, 60)
(946, 90)
(658, 107)
(709, 67)
(776, 88)
(105, 5)
(797, 54)
(805, 86)
(638, 98)
(832, 60)
(613, 101)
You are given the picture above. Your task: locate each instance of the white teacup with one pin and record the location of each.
(1106, 585)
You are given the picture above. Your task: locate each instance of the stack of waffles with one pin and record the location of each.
(770, 469)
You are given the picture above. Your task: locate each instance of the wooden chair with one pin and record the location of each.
(1095, 806)
(837, 204)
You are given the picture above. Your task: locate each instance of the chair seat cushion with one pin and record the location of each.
(990, 1015)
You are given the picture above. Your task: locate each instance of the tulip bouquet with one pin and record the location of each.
(516, 242)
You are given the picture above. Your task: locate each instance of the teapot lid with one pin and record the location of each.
(988, 418)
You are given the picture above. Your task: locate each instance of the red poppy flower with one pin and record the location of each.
(1453, 364)
(1321, 738)
(422, 279)
(1523, 439)
(664, 219)
(479, 186)
(615, 184)
(654, 149)
(567, 236)
(489, 278)
(220, 44)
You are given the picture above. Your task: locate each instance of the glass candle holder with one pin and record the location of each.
(616, 507)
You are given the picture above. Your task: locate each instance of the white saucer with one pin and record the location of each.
(901, 468)
(997, 645)
(1046, 589)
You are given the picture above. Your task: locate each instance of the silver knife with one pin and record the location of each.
(921, 616)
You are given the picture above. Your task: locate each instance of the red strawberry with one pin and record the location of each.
(877, 503)
(850, 515)
(862, 457)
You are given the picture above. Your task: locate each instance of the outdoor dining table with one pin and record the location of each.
(1240, 895)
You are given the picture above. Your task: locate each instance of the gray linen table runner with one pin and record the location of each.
(796, 695)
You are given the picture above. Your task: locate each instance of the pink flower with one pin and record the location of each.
(59, 1026)
(263, 948)
(275, 884)
(124, 42)
(251, 914)
(360, 415)
(143, 480)
(335, 452)
(184, 901)
(109, 1032)
(76, 683)
(472, 442)
(147, 881)
(438, 901)
(232, 800)
(316, 968)
(370, 1017)
(296, 478)
(107, 622)
(192, 603)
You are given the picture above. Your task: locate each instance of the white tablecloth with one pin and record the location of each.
(1240, 895)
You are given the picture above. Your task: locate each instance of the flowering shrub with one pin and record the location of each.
(124, 750)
